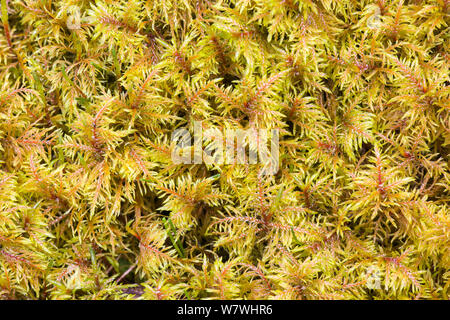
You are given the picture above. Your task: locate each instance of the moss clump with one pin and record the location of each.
(92, 205)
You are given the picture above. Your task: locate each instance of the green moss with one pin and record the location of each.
(92, 205)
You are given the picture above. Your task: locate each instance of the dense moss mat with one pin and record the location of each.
(93, 207)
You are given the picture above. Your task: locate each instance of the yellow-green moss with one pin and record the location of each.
(92, 206)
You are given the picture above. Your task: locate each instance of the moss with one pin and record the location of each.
(93, 206)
